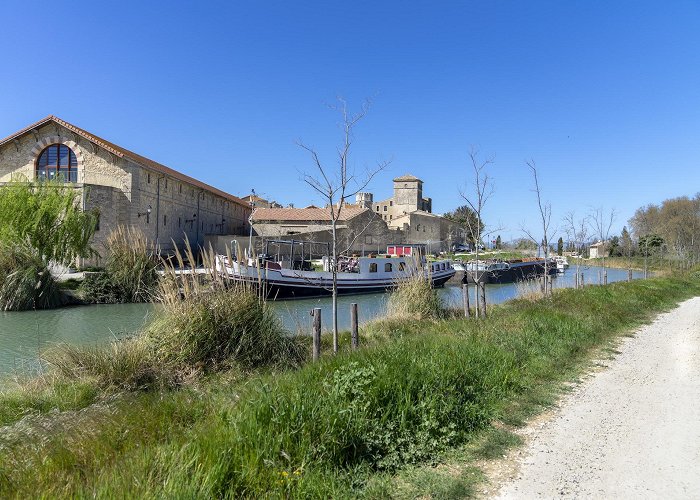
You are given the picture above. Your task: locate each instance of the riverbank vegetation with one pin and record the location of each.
(363, 423)
(130, 273)
(40, 224)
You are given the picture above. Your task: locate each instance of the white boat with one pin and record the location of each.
(562, 263)
(354, 275)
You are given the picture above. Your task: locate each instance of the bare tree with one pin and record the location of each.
(545, 209)
(480, 193)
(336, 184)
(601, 223)
(577, 233)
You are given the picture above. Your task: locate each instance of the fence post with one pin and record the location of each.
(316, 351)
(629, 275)
(576, 280)
(549, 285)
(605, 277)
(600, 278)
(482, 290)
(582, 282)
(354, 335)
(465, 300)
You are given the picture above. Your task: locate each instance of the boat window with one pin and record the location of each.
(442, 267)
(373, 267)
(402, 266)
(387, 267)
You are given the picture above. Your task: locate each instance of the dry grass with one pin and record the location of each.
(415, 298)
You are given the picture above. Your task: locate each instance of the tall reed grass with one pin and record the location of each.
(25, 280)
(209, 321)
(415, 298)
(131, 273)
(205, 324)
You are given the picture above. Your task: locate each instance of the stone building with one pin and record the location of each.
(359, 229)
(408, 197)
(124, 187)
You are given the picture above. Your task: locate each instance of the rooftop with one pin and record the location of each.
(311, 213)
(121, 152)
(407, 178)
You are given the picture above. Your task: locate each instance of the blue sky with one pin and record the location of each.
(604, 96)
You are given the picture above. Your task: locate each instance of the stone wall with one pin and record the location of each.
(123, 191)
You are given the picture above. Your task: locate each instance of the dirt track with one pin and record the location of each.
(629, 431)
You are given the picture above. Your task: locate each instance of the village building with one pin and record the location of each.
(123, 187)
(597, 250)
(363, 227)
(408, 198)
(256, 201)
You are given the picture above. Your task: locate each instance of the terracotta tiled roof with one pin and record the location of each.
(304, 214)
(125, 153)
(407, 178)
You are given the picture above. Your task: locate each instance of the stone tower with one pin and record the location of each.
(408, 194)
(364, 199)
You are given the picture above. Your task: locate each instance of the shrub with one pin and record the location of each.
(415, 298)
(47, 217)
(224, 326)
(130, 273)
(26, 282)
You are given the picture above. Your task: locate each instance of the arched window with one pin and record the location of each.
(57, 161)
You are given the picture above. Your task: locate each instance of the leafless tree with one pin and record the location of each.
(336, 184)
(545, 209)
(577, 233)
(601, 223)
(480, 191)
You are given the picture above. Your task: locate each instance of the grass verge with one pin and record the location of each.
(363, 423)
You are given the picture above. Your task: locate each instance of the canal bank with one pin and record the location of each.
(365, 423)
(23, 335)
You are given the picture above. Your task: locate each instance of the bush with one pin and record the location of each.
(415, 298)
(98, 288)
(26, 282)
(130, 273)
(224, 326)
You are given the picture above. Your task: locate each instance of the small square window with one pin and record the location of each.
(373, 267)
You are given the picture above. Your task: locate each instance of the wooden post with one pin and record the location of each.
(316, 351)
(629, 275)
(576, 280)
(600, 278)
(354, 334)
(605, 277)
(549, 285)
(465, 300)
(482, 289)
(582, 282)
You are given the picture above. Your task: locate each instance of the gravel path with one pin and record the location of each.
(631, 430)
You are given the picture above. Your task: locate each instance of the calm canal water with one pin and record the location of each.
(23, 335)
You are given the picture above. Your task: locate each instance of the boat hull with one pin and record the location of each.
(520, 272)
(285, 284)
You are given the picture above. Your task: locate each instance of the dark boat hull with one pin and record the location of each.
(520, 272)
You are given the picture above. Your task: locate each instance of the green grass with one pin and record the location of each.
(372, 423)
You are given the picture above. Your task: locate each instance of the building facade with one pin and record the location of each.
(408, 198)
(124, 188)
